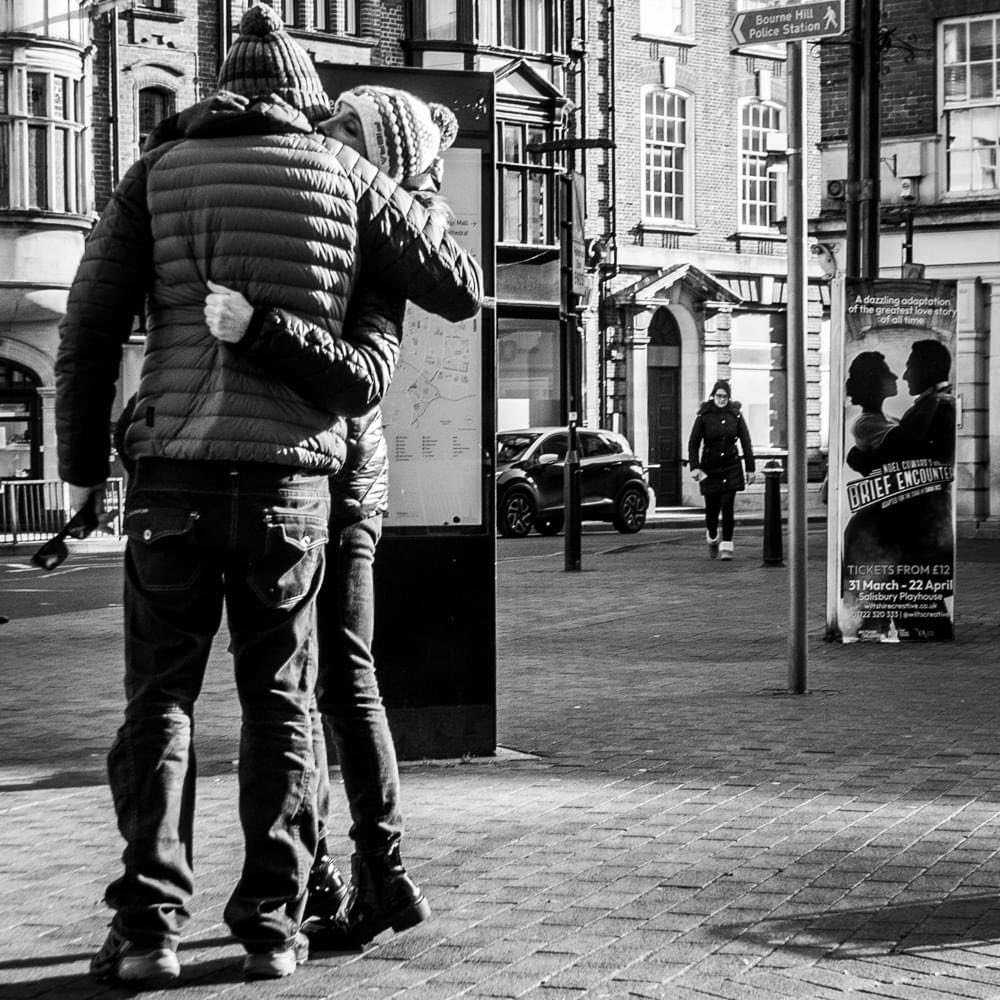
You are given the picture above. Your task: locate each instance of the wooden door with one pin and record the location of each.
(665, 445)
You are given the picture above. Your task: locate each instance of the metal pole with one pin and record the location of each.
(797, 311)
(872, 145)
(573, 530)
(855, 115)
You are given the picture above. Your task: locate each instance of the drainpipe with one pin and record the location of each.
(225, 32)
(113, 76)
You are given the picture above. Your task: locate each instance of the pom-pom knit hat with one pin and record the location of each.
(265, 59)
(404, 136)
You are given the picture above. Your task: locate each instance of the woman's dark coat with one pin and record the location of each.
(712, 447)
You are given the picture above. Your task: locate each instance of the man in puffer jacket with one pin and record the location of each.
(234, 445)
(405, 137)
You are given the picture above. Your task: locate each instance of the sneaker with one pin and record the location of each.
(327, 890)
(725, 550)
(279, 963)
(713, 545)
(121, 960)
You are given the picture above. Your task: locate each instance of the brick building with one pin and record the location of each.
(940, 198)
(683, 216)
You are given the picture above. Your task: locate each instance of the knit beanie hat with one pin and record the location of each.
(724, 386)
(404, 136)
(265, 59)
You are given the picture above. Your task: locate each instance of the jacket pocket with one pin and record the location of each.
(162, 548)
(292, 556)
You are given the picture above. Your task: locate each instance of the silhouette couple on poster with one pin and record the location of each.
(916, 531)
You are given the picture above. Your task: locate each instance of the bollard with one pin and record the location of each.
(772, 514)
(571, 490)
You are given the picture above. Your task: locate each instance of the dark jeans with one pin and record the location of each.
(203, 535)
(724, 503)
(348, 693)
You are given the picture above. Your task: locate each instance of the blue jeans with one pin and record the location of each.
(348, 693)
(203, 536)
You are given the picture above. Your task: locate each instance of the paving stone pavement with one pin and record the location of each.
(664, 820)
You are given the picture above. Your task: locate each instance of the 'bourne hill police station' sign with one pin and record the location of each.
(794, 23)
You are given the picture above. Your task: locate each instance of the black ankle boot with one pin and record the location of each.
(381, 895)
(327, 890)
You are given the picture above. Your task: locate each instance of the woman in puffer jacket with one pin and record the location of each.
(717, 465)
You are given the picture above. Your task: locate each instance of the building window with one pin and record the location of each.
(759, 376)
(971, 105)
(666, 145)
(352, 18)
(525, 185)
(666, 18)
(516, 24)
(155, 104)
(286, 8)
(529, 360)
(167, 6)
(41, 150)
(441, 20)
(758, 188)
(335, 16)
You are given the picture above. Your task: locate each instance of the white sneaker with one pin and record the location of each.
(725, 550)
(120, 960)
(276, 964)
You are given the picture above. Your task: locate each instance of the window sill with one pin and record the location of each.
(676, 228)
(520, 253)
(964, 197)
(153, 14)
(758, 234)
(684, 41)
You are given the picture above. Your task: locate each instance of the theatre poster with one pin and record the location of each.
(891, 477)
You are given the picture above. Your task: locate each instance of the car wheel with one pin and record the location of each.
(516, 514)
(549, 524)
(630, 511)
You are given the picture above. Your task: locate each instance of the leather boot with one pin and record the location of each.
(381, 895)
(327, 890)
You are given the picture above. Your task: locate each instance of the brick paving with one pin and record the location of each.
(663, 820)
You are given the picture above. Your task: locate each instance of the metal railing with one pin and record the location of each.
(35, 509)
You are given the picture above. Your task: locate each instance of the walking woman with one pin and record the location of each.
(717, 465)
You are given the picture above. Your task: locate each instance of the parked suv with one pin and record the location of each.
(614, 485)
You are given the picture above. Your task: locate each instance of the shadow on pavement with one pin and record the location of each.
(913, 927)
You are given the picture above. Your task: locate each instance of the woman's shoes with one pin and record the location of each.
(725, 551)
(713, 545)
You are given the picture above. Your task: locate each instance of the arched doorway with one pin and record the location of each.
(664, 382)
(20, 422)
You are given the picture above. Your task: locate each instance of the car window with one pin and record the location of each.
(510, 447)
(555, 444)
(614, 445)
(594, 445)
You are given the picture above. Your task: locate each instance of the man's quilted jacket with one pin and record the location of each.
(253, 201)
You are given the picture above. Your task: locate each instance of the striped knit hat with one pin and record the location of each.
(265, 60)
(404, 136)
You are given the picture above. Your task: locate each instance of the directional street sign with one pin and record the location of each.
(794, 23)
